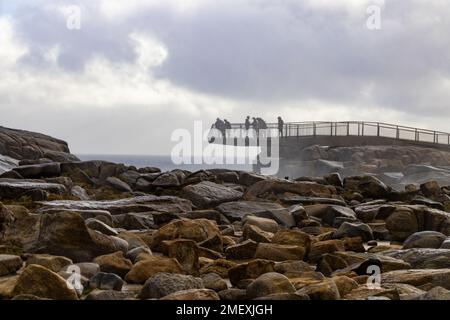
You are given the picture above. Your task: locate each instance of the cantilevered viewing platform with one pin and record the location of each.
(345, 133)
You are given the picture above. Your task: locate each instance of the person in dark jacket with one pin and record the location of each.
(280, 126)
(247, 123)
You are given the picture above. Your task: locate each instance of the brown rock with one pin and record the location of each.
(114, 263)
(269, 283)
(53, 263)
(193, 294)
(250, 270)
(41, 282)
(150, 266)
(198, 230)
(279, 252)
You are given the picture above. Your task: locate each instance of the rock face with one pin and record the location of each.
(269, 283)
(13, 189)
(9, 264)
(136, 204)
(7, 163)
(163, 284)
(62, 234)
(207, 194)
(39, 281)
(20, 144)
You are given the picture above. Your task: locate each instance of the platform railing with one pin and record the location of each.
(355, 128)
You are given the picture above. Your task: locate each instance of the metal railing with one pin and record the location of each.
(355, 128)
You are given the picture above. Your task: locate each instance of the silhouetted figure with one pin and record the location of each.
(227, 124)
(280, 126)
(220, 125)
(261, 123)
(247, 123)
(255, 125)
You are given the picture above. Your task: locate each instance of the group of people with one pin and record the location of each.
(256, 123)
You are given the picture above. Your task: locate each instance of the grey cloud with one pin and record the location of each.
(259, 53)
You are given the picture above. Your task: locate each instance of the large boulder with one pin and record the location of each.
(42, 170)
(13, 188)
(41, 282)
(150, 266)
(369, 186)
(421, 258)
(419, 277)
(197, 230)
(20, 144)
(402, 223)
(269, 283)
(114, 263)
(64, 234)
(424, 239)
(207, 194)
(250, 270)
(304, 188)
(53, 263)
(279, 252)
(236, 211)
(135, 204)
(357, 229)
(9, 264)
(163, 284)
(193, 294)
(324, 290)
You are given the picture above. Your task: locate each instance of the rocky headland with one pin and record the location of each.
(118, 232)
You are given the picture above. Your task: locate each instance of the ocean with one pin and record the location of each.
(165, 163)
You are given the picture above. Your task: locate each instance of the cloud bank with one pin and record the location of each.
(134, 72)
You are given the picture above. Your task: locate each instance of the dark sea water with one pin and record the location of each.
(163, 162)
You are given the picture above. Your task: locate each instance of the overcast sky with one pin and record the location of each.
(137, 70)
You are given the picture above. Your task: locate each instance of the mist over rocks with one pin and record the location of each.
(395, 165)
(139, 233)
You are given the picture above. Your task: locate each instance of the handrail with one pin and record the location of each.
(357, 128)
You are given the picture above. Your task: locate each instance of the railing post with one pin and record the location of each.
(398, 133)
(416, 137)
(378, 129)
(331, 128)
(298, 126)
(359, 129)
(348, 128)
(362, 129)
(314, 129)
(434, 136)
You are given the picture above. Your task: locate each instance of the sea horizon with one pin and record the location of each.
(164, 162)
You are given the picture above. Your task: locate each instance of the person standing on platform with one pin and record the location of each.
(280, 126)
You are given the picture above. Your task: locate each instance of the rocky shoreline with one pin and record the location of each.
(118, 232)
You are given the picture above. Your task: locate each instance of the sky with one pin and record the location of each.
(135, 71)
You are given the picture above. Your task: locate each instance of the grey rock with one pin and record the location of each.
(348, 229)
(163, 284)
(208, 194)
(106, 281)
(424, 239)
(9, 264)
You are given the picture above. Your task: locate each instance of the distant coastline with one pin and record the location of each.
(164, 162)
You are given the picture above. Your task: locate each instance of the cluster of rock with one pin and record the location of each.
(118, 232)
(395, 165)
(30, 146)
